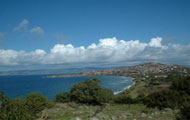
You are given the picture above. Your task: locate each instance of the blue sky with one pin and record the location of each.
(47, 23)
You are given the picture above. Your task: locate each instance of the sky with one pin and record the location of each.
(36, 34)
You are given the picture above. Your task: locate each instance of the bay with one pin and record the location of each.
(20, 85)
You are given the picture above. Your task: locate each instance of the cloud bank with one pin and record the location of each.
(108, 50)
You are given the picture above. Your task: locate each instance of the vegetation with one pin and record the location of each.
(88, 92)
(35, 103)
(23, 109)
(184, 113)
(172, 98)
(123, 99)
(91, 98)
(72, 111)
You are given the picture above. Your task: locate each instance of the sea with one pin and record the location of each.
(20, 85)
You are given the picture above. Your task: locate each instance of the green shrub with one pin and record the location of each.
(3, 99)
(123, 99)
(87, 92)
(22, 109)
(140, 98)
(166, 99)
(15, 110)
(184, 113)
(173, 98)
(181, 84)
(35, 102)
(103, 95)
(63, 97)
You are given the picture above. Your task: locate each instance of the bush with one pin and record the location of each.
(123, 98)
(103, 95)
(184, 113)
(140, 98)
(162, 99)
(87, 92)
(35, 102)
(181, 84)
(14, 109)
(22, 109)
(173, 98)
(63, 97)
(3, 99)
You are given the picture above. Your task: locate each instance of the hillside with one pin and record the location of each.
(142, 70)
(150, 79)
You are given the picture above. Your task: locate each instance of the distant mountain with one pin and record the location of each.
(142, 69)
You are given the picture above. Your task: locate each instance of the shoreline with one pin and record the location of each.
(124, 89)
(115, 93)
(127, 87)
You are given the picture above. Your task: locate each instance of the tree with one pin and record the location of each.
(3, 99)
(87, 92)
(35, 102)
(184, 113)
(22, 109)
(123, 99)
(181, 84)
(15, 110)
(163, 99)
(172, 98)
(63, 97)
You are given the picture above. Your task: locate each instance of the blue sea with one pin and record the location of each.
(20, 85)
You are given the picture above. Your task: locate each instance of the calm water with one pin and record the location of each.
(19, 86)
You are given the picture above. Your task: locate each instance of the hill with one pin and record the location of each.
(142, 70)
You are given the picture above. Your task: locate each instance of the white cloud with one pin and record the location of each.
(22, 25)
(157, 42)
(108, 50)
(37, 30)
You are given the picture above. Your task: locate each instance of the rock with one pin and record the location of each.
(168, 110)
(77, 118)
(156, 113)
(102, 116)
(152, 114)
(77, 112)
(94, 118)
(58, 109)
(150, 117)
(80, 107)
(143, 115)
(113, 118)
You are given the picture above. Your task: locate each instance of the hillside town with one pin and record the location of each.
(156, 70)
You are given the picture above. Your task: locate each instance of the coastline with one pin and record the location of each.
(127, 87)
(79, 75)
(124, 89)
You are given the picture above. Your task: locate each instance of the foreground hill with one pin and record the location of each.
(72, 111)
